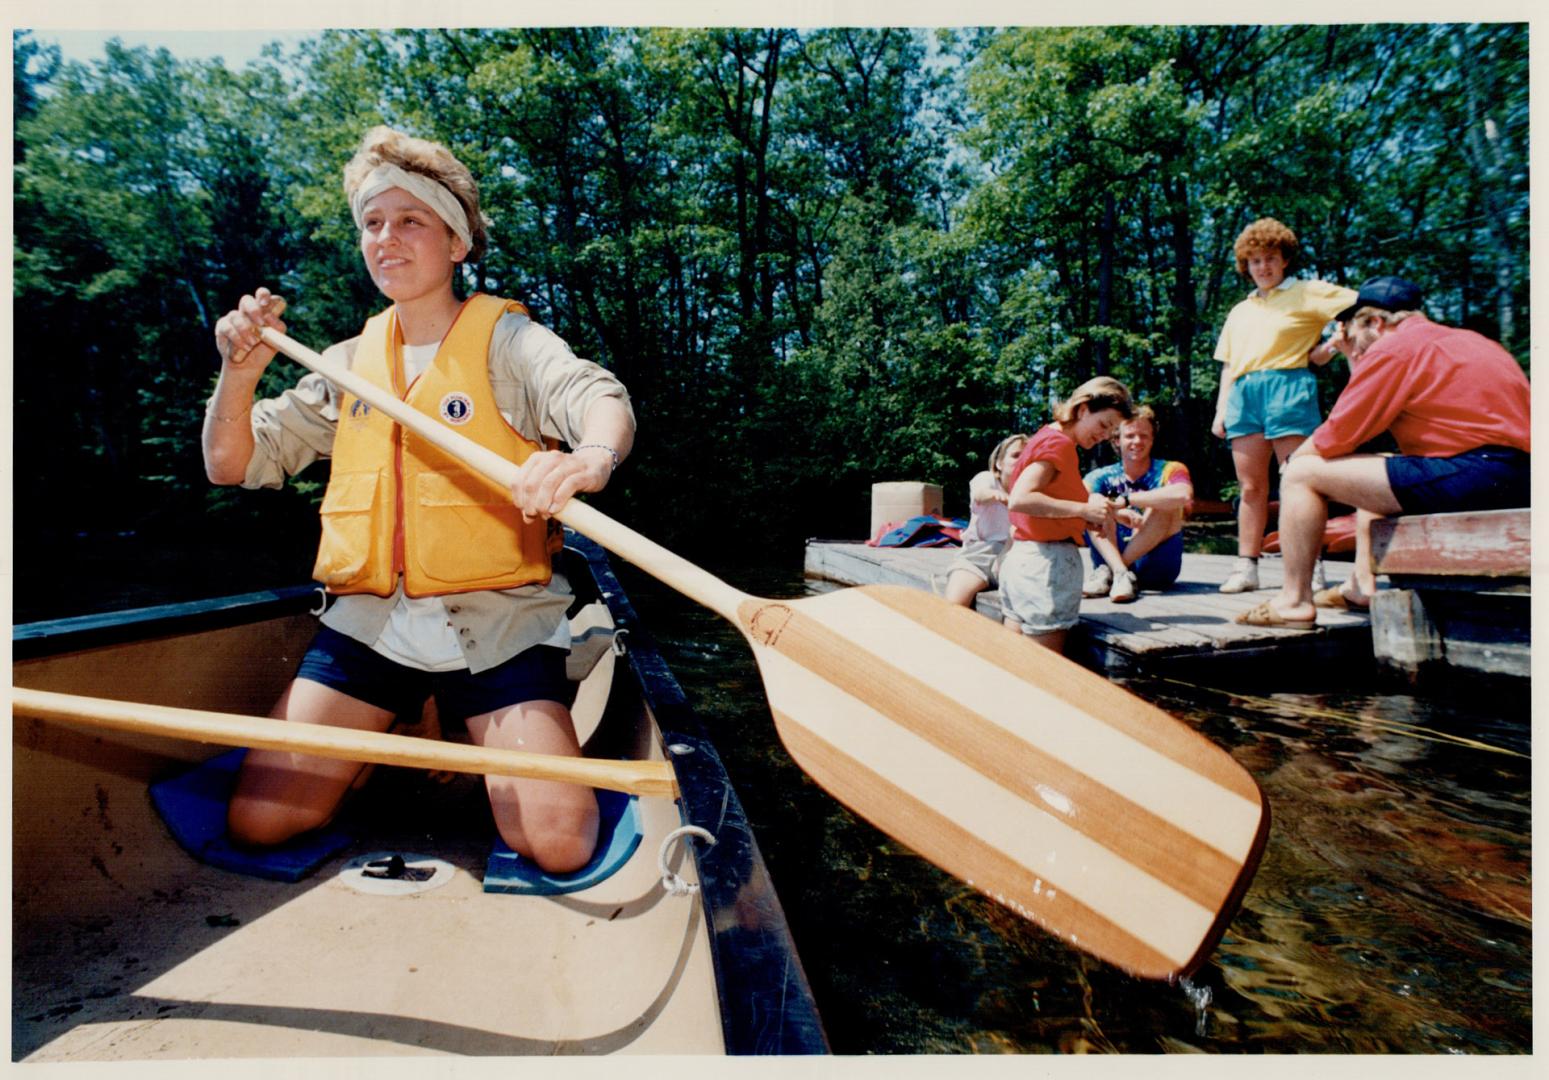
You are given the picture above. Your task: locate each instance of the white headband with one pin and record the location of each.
(422, 187)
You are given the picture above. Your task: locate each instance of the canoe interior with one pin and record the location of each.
(126, 948)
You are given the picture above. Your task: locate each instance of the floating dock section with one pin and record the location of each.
(1192, 620)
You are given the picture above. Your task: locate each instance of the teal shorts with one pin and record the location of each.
(1273, 404)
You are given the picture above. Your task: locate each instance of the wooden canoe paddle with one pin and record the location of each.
(1098, 816)
(346, 744)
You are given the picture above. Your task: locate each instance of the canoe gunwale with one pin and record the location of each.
(30, 641)
(767, 1005)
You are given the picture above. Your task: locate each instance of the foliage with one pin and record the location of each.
(818, 258)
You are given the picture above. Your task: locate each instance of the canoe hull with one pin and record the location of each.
(124, 947)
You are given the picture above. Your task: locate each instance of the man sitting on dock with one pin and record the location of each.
(1456, 403)
(1142, 547)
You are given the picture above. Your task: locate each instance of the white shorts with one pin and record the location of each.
(982, 559)
(1040, 586)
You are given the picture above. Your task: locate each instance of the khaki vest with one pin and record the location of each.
(396, 504)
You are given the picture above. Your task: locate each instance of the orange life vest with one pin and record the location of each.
(396, 504)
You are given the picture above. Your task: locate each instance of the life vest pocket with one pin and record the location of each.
(348, 529)
(468, 530)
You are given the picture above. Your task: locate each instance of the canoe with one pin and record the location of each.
(128, 947)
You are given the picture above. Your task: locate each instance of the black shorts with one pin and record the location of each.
(344, 664)
(1489, 478)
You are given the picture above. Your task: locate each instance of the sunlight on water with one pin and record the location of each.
(1392, 911)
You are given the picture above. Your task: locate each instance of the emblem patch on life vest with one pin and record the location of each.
(457, 408)
(359, 409)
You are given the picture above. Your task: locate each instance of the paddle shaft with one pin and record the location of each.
(321, 740)
(671, 569)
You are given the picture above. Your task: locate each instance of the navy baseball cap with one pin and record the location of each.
(1388, 293)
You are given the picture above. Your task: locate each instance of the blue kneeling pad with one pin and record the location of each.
(193, 806)
(618, 835)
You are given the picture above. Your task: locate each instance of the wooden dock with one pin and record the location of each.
(1192, 620)
(1462, 594)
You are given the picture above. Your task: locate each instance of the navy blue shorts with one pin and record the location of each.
(1489, 478)
(1158, 568)
(344, 664)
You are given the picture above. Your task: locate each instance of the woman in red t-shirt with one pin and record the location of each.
(1051, 509)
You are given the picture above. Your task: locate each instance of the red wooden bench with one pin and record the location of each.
(1462, 591)
(1479, 544)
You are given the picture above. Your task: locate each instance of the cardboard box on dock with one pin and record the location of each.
(897, 501)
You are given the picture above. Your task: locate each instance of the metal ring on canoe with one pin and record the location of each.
(673, 883)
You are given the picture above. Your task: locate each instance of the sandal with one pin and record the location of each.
(1335, 597)
(1264, 615)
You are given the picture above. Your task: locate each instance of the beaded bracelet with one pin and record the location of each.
(599, 446)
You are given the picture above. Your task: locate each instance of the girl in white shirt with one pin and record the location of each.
(989, 526)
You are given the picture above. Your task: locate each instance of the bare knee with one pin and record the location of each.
(1300, 473)
(1254, 488)
(1162, 523)
(963, 586)
(260, 823)
(561, 839)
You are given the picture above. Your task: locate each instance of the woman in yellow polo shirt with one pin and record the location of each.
(443, 580)
(1268, 402)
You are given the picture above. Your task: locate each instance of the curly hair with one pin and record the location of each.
(385, 145)
(1096, 394)
(1265, 234)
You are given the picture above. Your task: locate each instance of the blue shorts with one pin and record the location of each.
(1489, 478)
(1157, 568)
(344, 664)
(1273, 404)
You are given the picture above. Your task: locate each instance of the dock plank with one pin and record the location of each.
(1192, 618)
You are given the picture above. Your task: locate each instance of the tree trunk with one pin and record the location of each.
(1105, 259)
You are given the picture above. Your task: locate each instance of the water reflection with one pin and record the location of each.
(1392, 911)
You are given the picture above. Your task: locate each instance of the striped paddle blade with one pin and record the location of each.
(1071, 801)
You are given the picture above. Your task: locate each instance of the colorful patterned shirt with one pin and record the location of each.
(1111, 481)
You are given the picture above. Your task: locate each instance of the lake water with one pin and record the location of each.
(1391, 913)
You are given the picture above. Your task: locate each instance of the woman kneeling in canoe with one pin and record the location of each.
(1051, 511)
(442, 578)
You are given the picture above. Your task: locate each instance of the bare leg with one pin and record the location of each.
(1106, 544)
(551, 823)
(1285, 446)
(963, 586)
(1305, 489)
(1054, 639)
(280, 794)
(1250, 458)
(1365, 576)
(1156, 526)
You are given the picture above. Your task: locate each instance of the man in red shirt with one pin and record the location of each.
(1456, 403)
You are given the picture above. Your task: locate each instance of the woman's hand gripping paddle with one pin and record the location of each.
(1101, 818)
